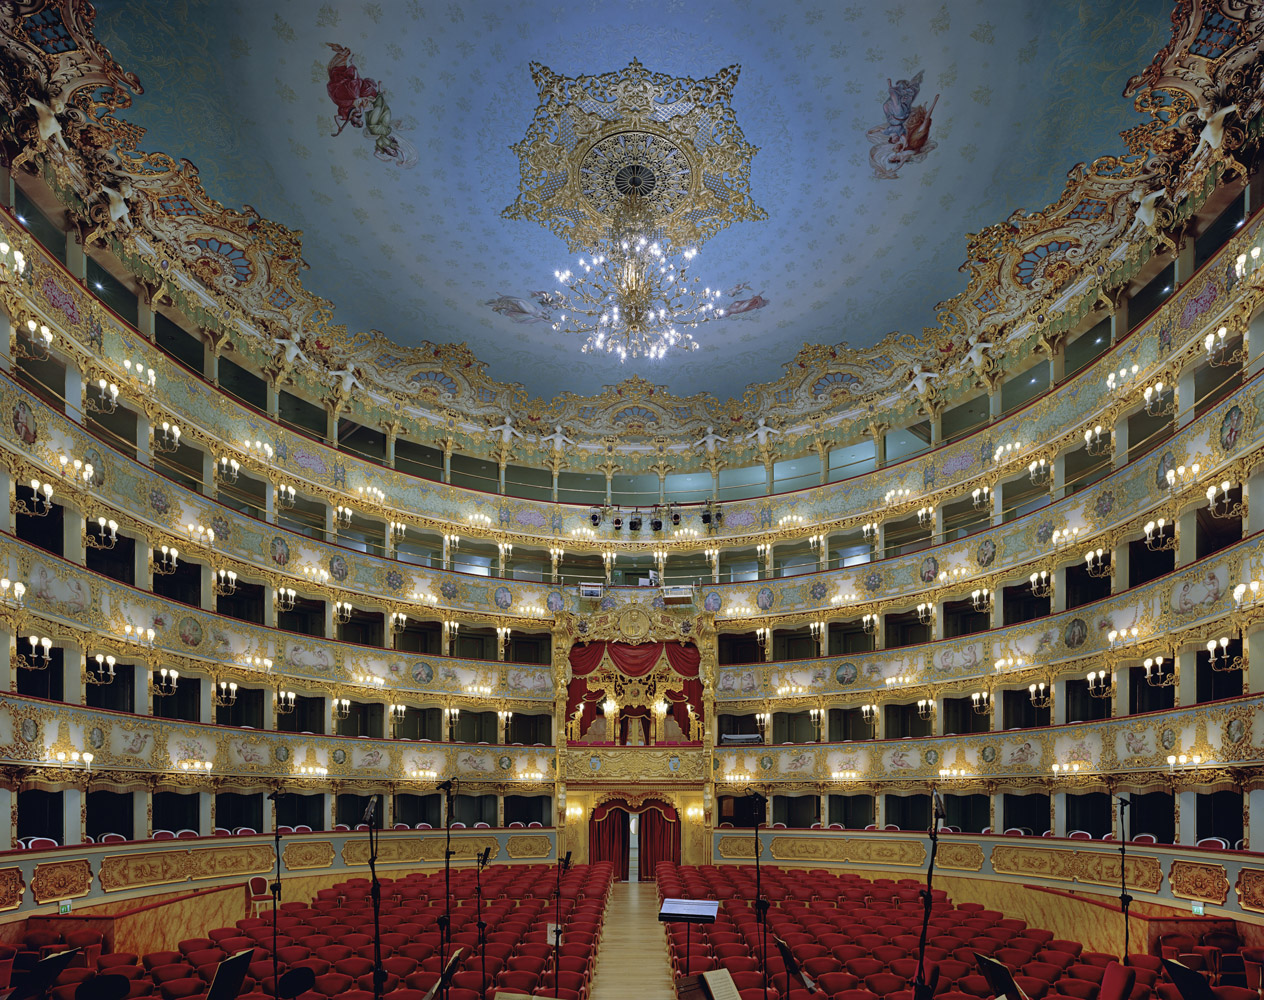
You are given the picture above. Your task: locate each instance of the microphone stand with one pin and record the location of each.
(375, 893)
(922, 990)
(445, 921)
(761, 904)
(275, 889)
(1124, 899)
(563, 865)
(483, 857)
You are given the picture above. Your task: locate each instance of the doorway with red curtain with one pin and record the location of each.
(609, 836)
(608, 839)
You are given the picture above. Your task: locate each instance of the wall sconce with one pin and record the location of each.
(1064, 536)
(451, 627)
(869, 713)
(104, 401)
(925, 708)
(1181, 477)
(479, 520)
(818, 631)
(164, 682)
(870, 624)
(286, 498)
(951, 577)
(40, 341)
(894, 497)
(1008, 663)
(1245, 595)
(925, 613)
(1006, 451)
(285, 598)
(139, 636)
(41, 504)
(258, 450)
(73, 758)
(395, 713)
(225, 694)
(844, 599)
(1160, 400)
(76, 470)
(227, 469)
(342, 612)
(1101, 684)
(200, 534)
(817, 715)
(1119, 381)
(312, 771)
(13, 263)
(1065, 770)
(844, 775)
(762, 635)
(369, 680)
(1041, 697)
(981, 702)
(103, 673)
(224, 582)
(816, 541)
(397, 530)
(1221, 507)
(11, 593)
(105, 537)
(315, 574)
(981, 497)
(981, 599)
(138, 371)
(925, 516)
(38, 655)
(1039, 472)
(869, 530)
(1182, 760)
(609, 707)
(342, 516)
(1156, 538)
(1096, 443)
(398, 621)
(341, 708)
(762, 721)
(423, 774)
(787, 520)
(451, 716)
(505, 549)
(1121, 638)
(1097, 563)
(371, 493)
(263, 663)
(1154, 673)
(900, 680)
(1041, 584)
(1217, 348)
(286, 702)
(790, 690)
(164, 560)
(1221, 661)
(693, 813)
(166, 438)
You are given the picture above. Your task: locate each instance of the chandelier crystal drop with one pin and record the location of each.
(631, 296)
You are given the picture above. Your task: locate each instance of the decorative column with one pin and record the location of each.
(1186, 667)
(1185, 395)
(72, 804)
(1120, 455)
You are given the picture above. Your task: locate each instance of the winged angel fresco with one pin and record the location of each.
(905, 136)
(361, 103)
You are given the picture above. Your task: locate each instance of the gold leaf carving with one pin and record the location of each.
(11, 888)
(61, 880)
(533, 846)
(222, 862)
(1090, 867)
(130, 871)
(308, 854)
(966, 857)
(736, 847)
(1250, 889)
(1195, 880)
(841, 850)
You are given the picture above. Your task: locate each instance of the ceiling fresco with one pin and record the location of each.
(883, 134)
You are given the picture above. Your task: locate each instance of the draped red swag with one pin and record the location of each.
(635, 661)
(659, 841)
(609, 836)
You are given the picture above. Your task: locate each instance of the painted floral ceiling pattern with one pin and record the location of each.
(885, 132)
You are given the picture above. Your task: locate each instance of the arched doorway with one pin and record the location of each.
(610, 836)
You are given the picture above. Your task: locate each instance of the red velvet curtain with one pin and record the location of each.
(608, 841)
(659, 841)
(635, 661)
(634, 713)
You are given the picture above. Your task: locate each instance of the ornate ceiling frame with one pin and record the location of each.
(263, 301)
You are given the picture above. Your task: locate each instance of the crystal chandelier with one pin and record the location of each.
(630, 296)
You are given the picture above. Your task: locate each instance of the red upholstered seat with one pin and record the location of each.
(183, 989)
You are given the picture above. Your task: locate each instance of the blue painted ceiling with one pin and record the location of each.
(1026, 88)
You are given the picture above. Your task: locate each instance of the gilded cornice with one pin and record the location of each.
(837, 386)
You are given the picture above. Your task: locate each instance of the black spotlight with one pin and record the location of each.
(618, 522)
(656, 523)
(706, 515)
(594, 516)
(719, 514)
(675, 516)
(634, 522)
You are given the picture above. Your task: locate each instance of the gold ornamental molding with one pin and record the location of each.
(633, 765)
(414, 850)
(1197, 880)
(740, 848)
(146, 868)
(1089, 867)
(12, 886)
(61, 880)
(844, 850)
(308, 854)
(1250, 889)
(961, 857)
(528, 846)
(634, 624)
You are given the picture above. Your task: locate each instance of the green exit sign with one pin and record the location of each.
(63, 907)
(1198, 909)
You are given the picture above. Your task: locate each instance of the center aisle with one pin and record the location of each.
(632, 957)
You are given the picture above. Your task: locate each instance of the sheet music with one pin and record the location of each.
(719, 983)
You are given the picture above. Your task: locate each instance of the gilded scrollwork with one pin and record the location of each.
(1192, 880)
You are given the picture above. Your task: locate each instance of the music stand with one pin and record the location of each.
(41, 975)
(109, 986)
(229, 975)
(688, 912)
(1189, 984)
(445, 977)
(792, 966)
(999, 978)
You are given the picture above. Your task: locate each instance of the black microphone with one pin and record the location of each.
(272, 796)
(566, 862)
(445, 786)
(369, 809)
(1124, 802)
(751, 793)
(485, 855)
(939, 811)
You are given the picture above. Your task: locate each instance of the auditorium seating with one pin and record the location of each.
(858, 939)
(333, 935)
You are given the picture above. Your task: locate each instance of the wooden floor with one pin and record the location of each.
(632, 957)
